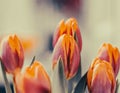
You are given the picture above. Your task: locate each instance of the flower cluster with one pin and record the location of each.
(67, 44)
(103, 70)
(34, 79)
(101, 76)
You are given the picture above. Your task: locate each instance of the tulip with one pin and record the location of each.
(110, 54)
(100, 77)
(69, 27)
(33, 80)
(68, 50)
(12, 54)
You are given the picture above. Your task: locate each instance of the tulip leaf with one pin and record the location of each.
(81, 86)
(7, 85)
(32, 60)
(117, 86)
(73, 81)
(58, 78)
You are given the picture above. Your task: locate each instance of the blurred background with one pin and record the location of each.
(35, 21)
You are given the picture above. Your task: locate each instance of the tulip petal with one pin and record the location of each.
(110, 54)
(67, 49)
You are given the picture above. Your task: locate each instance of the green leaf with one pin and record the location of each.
(81, 86)
(7, 85)
(58, 78)
(32, 60)
(117, 86)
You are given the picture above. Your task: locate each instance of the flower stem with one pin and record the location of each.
(7, 85)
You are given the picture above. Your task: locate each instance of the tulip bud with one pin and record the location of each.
(100, 77)
(69, 27)
(68, 50)
(12, 54)
(110, 54)
(34, 80)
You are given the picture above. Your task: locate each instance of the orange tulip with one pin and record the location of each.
(69, 27)
(34, 80)
(110, 54)
(100, 77)
(68, 50)
(12, 54)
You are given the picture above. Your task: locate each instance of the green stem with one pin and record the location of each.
(14, 85)
(32, 60)
(7, 85)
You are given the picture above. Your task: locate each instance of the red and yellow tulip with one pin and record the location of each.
(100, 77)
(69, 27)
(12, 54)
(110, 54)
(34, 80)
(68, 50)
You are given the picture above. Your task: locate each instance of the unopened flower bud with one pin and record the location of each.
(69, 27)
(12, 54)
(110, 54)
(68, 50)
(100, 77)
(33, 80)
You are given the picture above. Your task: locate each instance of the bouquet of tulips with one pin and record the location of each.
(65, 76)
